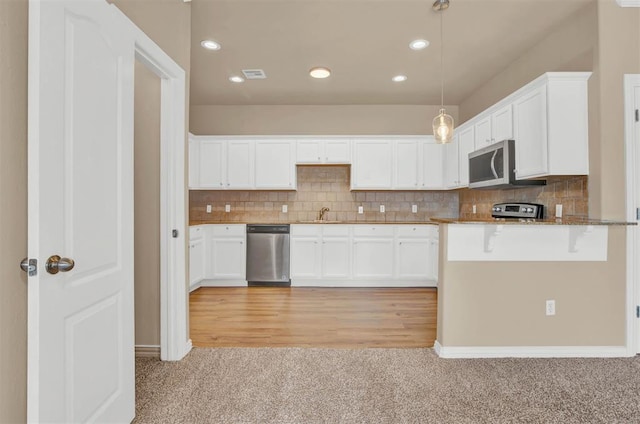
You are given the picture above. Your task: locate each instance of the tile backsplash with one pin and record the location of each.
(572, 192)
(318, 187)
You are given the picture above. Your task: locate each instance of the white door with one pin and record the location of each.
(465, 146)
(432, 165)
(406, 164)
(80, 326)
(275, 166)
(335, 257)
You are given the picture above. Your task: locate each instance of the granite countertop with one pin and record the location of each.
(436, 221)
(553, 221)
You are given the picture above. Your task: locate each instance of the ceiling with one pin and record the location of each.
(365, 43)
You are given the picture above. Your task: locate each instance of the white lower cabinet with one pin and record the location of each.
(362, 255)
(225, 259)
(373, 252)
(196, 256)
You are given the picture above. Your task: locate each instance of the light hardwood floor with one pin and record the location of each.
(313, 317)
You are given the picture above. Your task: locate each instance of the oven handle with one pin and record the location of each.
(493, 164)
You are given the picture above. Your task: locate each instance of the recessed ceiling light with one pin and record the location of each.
(210, 44)
(418, 44)
(319, 72)
(236, 78)
(399, 78)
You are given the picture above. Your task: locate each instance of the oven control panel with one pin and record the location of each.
(518, 210)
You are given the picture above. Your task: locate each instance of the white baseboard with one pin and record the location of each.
(196, 286)
(361, 283)
(223, 283)
(531, 351)
(147, 351)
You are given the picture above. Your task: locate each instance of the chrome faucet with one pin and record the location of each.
(322, 212)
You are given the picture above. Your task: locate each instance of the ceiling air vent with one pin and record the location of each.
(254, 74)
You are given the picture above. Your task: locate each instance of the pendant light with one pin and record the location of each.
(443, 123)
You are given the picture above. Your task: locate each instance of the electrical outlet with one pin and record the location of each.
(285, 209)
(360, 209)
(208, 208)
(474, 209)
(550, 307)
(381, 208)
(227, 208)
(414, 208)
(558, 211)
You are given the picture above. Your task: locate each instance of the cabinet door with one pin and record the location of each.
(275, 165)
(432, 166)
(227, 258)
(196, 261)
(239, 164)
(372, 165)
(466, 145)
(373, 258)
(451, 175)
(412, 259)
(309, 151)
(502, 124)
(211, 164)
(305, 257)
(483, 133)
(530, 115)
(406, 165)
(337, 151)
(194, 168)
(335, 257)
(432, 259)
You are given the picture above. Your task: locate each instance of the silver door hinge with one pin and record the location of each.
(638, 311)
(637, 214)
(174, 233)
(637, 116)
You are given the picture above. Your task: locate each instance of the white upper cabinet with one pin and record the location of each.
(432, 162)
(372, 166)
(275, 165)
(407, 164)
(551, 126)
(494, 127)
(451, 160)
(239, 164)
(466, 145)
(323, 151)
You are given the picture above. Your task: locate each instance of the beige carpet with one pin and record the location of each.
(296, 385)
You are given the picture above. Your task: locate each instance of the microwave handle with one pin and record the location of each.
(493, 164)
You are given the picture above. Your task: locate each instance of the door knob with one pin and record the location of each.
(55, 264)
(30, 266)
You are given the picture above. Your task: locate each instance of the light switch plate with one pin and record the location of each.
(208, 208)
(414, 208)
(227, 208)
(381, 208)
(361, 209)
(285, 209)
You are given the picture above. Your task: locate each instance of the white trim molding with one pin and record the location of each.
(628, 3)
(631, 81)
(174, 337)
(148, 351)
(531, 351)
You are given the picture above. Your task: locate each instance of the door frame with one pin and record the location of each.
(632, 201)
(174, 337)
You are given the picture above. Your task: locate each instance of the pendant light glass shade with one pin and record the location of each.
(443, 127)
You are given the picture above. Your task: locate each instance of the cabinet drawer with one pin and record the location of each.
(305, 230)
(196, 231)
(228, 230)
(416, 230)
(335, 230)
(373, 230)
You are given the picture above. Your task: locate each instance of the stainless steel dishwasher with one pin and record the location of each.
(268, 255)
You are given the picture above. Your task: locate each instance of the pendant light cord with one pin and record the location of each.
(441, 62)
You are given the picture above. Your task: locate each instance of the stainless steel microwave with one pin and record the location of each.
(493, 167)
